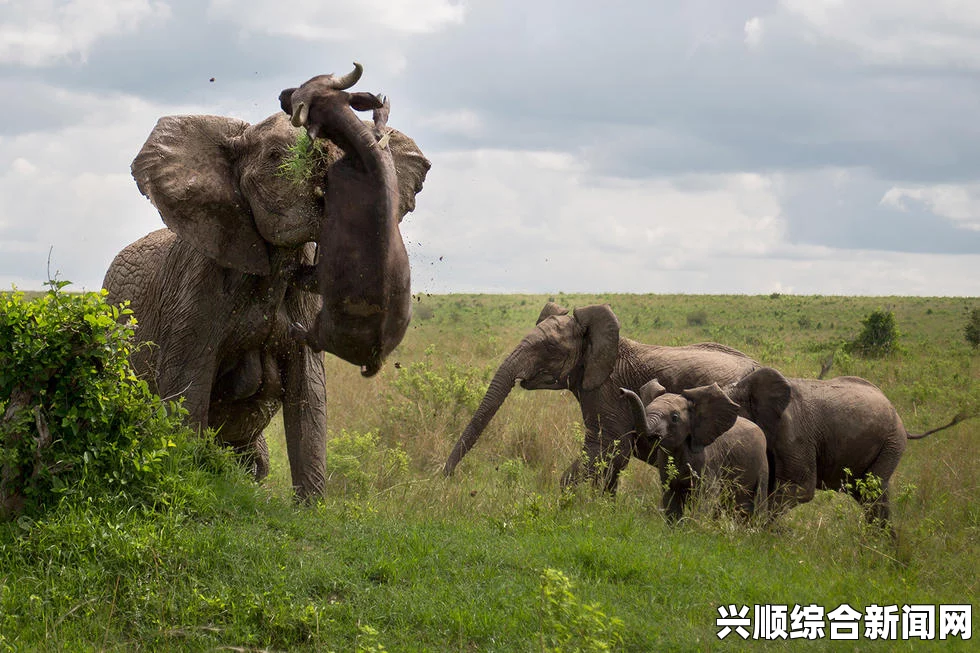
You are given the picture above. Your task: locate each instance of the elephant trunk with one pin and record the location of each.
(513, 368)
(637, 411)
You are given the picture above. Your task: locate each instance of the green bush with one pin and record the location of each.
(697, 318)
(568, 624)
(74, 419)
(972, 330)
(357, 462)
(879, 336)
(423, 391)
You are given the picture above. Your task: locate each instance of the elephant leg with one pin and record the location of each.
(304, 414)
(573, 474)
(795, 480)
(240, 425)
(254, 457)
(605, 469)
(788, 494)
(675, 493)
(188, 371)
(602, 467)
(260, 453)
(876, 505)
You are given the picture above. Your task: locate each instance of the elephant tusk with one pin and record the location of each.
(301, 113)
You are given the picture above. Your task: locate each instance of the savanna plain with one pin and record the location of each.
(497, 558)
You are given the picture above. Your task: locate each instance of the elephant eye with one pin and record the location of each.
(675, 417)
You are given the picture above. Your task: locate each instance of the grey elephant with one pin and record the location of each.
(584, 353)
(701, 431)
(826, 434)
(216, 293)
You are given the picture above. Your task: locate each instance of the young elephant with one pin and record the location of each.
(832, 434)
(701, 430)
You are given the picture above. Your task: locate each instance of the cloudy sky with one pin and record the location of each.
(708, 146)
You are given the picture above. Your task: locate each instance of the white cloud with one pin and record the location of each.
(44, 32)
(339, 21)
(934, 33)
(753, 31)
(461, 122)
(958, 203)
(71, 190)
(540, 220)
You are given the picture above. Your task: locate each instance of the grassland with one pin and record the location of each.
(397, 558)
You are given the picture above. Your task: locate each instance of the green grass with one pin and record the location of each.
(398, 558)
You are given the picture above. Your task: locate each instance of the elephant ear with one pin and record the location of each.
(712, 413)
(765, 394)
(550, 309)
(602, 343)
(411, 167)
(650, 391)
(187, 170)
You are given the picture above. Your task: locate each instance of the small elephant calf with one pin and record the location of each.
(700, 428)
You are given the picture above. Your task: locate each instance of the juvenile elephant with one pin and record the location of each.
(701, 431)
(833, 434)
(217, 292)
(583, 352)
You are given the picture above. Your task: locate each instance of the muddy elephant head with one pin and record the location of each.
(220, 184)
(690, 421)
(366, 298)
(575, 352)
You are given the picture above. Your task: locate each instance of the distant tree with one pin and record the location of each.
(972, 330)
(879, 336)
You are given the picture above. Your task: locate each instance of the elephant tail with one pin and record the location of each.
(959, 417)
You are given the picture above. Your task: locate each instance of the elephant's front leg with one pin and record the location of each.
(304, 415)
(187, 374)
(786, 495)
(602, 461)
(673, 498)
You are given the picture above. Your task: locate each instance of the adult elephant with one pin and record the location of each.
(217, 293)
(826, 434)
(583, 352)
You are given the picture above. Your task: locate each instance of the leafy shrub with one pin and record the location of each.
(424, 392)
(972, 330)
(697, 318)
(357, 462)
(74, 419)
(567, 624)
(878, 337)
